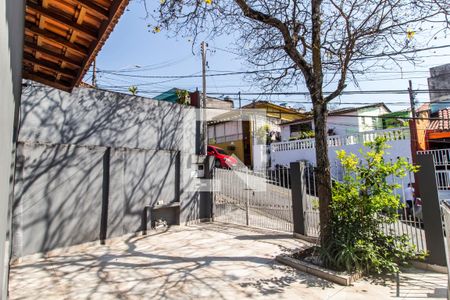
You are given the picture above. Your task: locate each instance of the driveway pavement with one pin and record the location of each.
(206, 261)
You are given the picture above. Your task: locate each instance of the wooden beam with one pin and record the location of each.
(115, 11)
(89, 4)
(60, 19)
(56, 38)
(438, 135)
(52, 54)
(81, 15)
(47, 81)
(48, 65)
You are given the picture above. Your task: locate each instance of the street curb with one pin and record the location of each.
(429, 267)
(320, 272)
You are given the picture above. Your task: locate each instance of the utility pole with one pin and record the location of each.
(413, 132)
(239, 94)
(94, 74)
(203, 106)
(412, 101)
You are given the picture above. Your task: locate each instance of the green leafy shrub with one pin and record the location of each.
(183, 97)
(308, 134)
(262, 134)
(362, 203)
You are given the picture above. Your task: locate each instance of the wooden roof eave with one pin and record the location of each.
(115, 12)
(58, 48)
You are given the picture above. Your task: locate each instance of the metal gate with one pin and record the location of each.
(257, 199)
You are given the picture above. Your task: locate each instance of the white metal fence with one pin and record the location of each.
(286, 152)
(409, 223)
(264, 200)
(258, 199)
(344, 140)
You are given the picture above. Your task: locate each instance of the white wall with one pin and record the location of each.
(259, 157)
(366, 122)
(348, 123)
(285, 132)
(343, 125)
(399, 148)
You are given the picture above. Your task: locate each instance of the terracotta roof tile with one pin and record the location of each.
(443, 123)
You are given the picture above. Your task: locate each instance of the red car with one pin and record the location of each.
(222, 159)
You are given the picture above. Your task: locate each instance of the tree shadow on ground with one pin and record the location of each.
(154, 264)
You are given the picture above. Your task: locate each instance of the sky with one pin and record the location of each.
(133, 48)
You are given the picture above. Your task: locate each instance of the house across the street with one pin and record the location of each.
(247, 138)
(343, 121)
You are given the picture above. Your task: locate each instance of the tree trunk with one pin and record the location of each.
(323, 175)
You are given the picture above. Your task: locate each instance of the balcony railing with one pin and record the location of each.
(441, 156)
(344, 140)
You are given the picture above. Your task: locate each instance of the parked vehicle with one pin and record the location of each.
(221, 158)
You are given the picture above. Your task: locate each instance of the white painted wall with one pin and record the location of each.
(366, 122)
(345, 124)
(220, 130)
(259, 157)
(285, 132)
(399, 148)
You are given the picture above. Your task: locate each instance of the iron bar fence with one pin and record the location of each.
(264, 199)
(253, 198)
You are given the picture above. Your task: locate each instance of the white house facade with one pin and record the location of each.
(346, 121)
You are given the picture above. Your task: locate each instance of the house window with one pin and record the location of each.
(301, 127)
(374, 122)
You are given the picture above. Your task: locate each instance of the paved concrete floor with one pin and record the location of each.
(207, 261)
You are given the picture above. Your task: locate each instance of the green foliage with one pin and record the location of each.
(183, 97)
(133, 90)
(307, 134)
(362, 203)
(262, 134)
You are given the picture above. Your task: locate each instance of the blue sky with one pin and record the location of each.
(131, 45)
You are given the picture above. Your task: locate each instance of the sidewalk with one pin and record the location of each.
(206, 261)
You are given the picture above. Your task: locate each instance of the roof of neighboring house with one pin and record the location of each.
(423, 107)
(274, 109)
(342, 111)
(443, 124)
(399, 113)
(62, 38)
(170, 95)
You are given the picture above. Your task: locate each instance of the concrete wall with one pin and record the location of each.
(58, 197)
(134, 182)
(11, 48)
(92, 150)
(95, 117)
(439, 80)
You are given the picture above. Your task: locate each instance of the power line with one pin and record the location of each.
(375, 55)
(249, 85)
(368, 92)
(232, 73)
(118, 72)
(351, 92)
